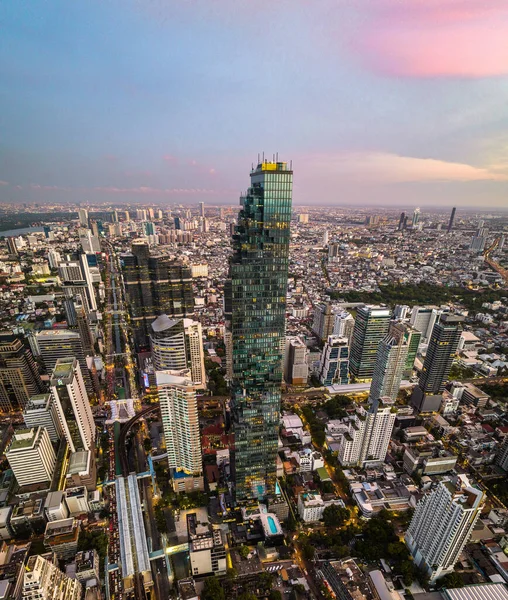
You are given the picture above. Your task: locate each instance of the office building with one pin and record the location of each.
(296, 367)
(343, 324)
(83, 326)
(423, 319)
(479, 240)
(402, 221)
(43, 580)
(74, 411)
(334, 361)
(207, 552)
(83, 217)
(31, 456)
(202, 209)
(371, 325)
(61, 343)
(255, 308)
(41, 410)
(177, 344)
(390, 364)
(412, 338)
(452, 219)
(179, 413)
(154, 285)
(55, 507)
(442, 525)
(61, 537)
(19, 376)
(368, 436)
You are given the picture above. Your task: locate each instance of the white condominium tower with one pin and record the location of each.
(31, 456)
(369, 435)
(75, 414)
(442, 525)
(177, 344)
(43, 580)
(179, 412)
(389, 367)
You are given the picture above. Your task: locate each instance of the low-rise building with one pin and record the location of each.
(61, 537)
(206, 548)
(428, 459)
(311, 506)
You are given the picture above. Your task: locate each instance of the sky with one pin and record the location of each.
(376, 102)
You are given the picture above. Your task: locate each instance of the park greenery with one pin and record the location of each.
(422, 293)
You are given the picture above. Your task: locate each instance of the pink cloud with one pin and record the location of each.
(4, 182)
(431, 38)
(170, 158)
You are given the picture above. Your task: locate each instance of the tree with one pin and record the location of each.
(247, 596)
(243, 551)
(452, 580)
(147, 443)
(266, 580)
(274, 595)
(212, 589)
(335, 515)
(308, 551)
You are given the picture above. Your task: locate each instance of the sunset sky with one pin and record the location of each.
(388, 102)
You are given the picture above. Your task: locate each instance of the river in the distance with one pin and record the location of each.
(22, 231)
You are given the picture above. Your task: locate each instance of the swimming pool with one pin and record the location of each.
(272, 525)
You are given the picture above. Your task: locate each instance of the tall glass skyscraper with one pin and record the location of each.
(255, 307)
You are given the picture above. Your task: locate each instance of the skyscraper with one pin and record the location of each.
(439, 358)
(334, 362)
(343, 324)
(177, 344)
(19, 377)
(42, 410)
(442, 525)
(416, 217)
(202, 209)
(452, 219)
(391, 361)
(155, 285)
(438, 362)
(412, 337)
(255, 306)
(323, 322)
(73, 407)
(296, 368)
(401, 221)
(423, 319)
(83, 217)
(61, 343)
(371, 326)
(180, 421)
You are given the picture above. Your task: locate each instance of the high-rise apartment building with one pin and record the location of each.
(73, 407)
(412, 337)
(255, 307)
(323, 323)
(402, 221)
(442, 525)
(180, 421)
(19, 376)
(438, 361)
(343, 324)
(371, 325)
(60, 343)
(90, 243)
(369, 434)
(83, 217)
(391, 361)
(202, 209)
(423, 319)
(303, 218)
(296, 367)
(177, 344)
(334, 361)
(41, 410)
(155, 285)
(31, 456)
(43, 580)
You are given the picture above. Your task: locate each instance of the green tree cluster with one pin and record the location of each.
(317, 429)
(335, 516)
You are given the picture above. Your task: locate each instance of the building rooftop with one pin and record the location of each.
(23, 439)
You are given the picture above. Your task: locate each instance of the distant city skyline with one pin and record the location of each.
(151, 101)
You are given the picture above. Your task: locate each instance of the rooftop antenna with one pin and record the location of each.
(258, 158)
(277, 155)
(263, 157)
